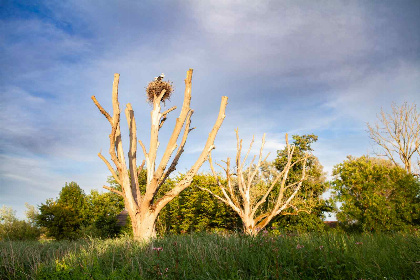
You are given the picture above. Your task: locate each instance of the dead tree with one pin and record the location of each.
(245, 190)
(398, 134)
(144, 208)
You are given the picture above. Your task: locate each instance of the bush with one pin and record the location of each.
(13, 229)
(376, 195)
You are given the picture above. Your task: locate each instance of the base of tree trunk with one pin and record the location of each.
(144, 229)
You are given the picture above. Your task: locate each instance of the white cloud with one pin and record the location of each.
(363, 99)
(283, 37)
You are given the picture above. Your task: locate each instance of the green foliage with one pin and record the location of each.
(376, 195)
(73, 196)
(64, 217)
(215, 256)
(74, 214)
(11, 228)
(312, 189)
(100, 212)
(61, 221)
(195, 210)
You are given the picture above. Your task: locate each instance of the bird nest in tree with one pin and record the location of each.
(154, 88)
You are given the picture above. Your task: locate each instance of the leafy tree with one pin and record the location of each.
(61, 221)
(195, 210)
(100, 212)
(64, 217)
(313, 187)
(376, 195)
(11, 228)
(73, 196)
(74, 214)
(31, 213)
(7, 214)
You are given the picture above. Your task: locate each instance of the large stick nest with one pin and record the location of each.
(154, 88)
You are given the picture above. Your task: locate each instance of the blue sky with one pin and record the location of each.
(322, 67)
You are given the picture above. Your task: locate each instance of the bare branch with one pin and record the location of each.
(113, 190)
(398, 133)
(247, 153)
(141, 168)
(185, 111)
(144, 149)
(258, 163)
(174, 163)
(186, 181)
(105, 113)
(239, 197)
(164, 114)
(116, 150)
(239, 174)
(267, 193)
(114, 174)
(232, 198)
(132, 154)
(215, 195)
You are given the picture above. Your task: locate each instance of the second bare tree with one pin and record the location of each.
(246, 190)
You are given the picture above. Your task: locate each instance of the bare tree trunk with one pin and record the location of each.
(144, 208)
(144, 225)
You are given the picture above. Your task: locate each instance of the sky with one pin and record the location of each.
(296, 67)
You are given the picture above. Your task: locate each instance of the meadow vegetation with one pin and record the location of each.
(215, 256)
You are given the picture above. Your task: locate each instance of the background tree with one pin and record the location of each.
(64, 217)
(11, 228)
(376, 195)
(247, 191)
(398, 134)
(100, 212)
(31, 214)
(74, 214)
(195, 210)
(313, 187)
(61, 221)
(143, 208)
(73, 196)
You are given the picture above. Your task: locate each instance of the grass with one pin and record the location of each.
(212, 256)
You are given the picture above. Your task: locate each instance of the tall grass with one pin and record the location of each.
(212, 256)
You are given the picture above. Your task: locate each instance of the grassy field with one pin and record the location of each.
(212, 256)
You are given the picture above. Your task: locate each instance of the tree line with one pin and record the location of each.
(375, 195)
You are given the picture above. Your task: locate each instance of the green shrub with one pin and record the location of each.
(13, 229)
